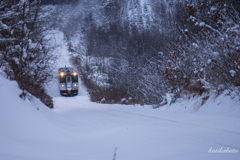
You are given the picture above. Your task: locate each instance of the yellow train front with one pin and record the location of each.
(68, 81)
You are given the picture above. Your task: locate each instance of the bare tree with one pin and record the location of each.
(208, 57)
(25, 51)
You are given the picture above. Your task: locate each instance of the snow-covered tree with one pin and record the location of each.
(25, 51)
(139, 45)
(207, 55)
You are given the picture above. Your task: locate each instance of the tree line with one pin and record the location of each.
(143, 51)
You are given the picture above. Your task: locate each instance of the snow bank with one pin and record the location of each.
(223, 105)
(79, 129)
(29, 130)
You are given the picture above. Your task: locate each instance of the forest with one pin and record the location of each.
(144, 49)
(127, 51)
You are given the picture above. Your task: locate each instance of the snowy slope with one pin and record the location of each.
(79, 129)
(27, 129)
(223, 105)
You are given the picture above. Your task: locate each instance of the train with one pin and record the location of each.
(68, 81)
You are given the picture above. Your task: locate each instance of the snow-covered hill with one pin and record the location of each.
(79, 129)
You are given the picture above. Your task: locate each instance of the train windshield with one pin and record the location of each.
(68, 79)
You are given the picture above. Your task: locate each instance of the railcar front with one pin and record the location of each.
(68, 81)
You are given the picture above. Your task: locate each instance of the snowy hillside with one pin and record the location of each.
(145, 49)
(79, 129)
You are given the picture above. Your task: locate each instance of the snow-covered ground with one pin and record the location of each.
(77, 129)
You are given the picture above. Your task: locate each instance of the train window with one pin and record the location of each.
(75, 78)
(68, 79)
(62, 79)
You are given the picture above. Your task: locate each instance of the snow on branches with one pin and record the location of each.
(25, 54)
(209, 56)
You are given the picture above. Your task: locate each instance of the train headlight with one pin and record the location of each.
(62, 86)
(61, 74)
(74, 73)
(75, 85)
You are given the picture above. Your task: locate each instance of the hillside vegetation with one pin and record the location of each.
(127, 51)
(137, 51)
